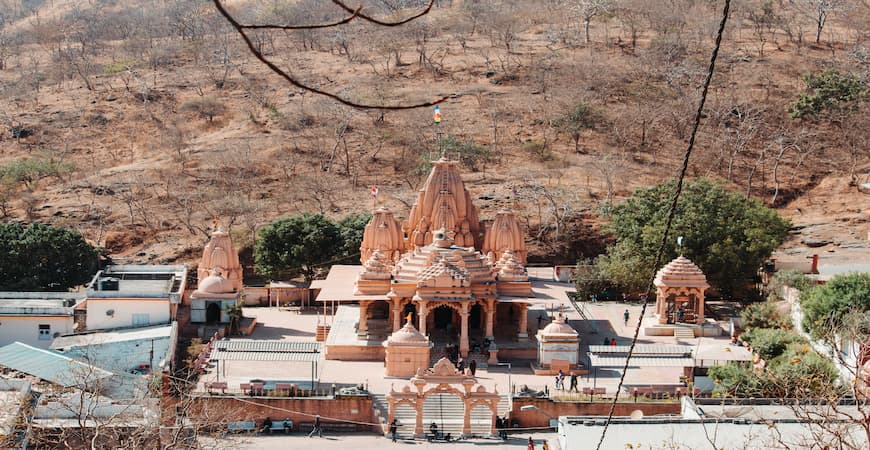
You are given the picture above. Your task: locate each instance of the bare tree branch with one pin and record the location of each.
(290, 79)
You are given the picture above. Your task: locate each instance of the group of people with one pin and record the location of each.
(608, 341)
(544, 446)
(560, 381)
(501, 426)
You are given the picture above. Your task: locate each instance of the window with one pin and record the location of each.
(140, 320)
(44, 332)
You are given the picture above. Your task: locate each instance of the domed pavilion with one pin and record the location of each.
(680, 287)
(458, 281)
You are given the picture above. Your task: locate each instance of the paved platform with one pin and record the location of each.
(606, 321)
(373, 442)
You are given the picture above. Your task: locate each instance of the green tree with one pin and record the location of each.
(351, 229)
(826, 306)
(588, 280)
(40, 257)
(296, 244)
(829, 90)
(764, 315)
(725, 234)
(770, 342)
(579, 119)
(28, 171)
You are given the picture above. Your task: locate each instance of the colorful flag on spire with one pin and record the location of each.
(374, 193)
(437, 115)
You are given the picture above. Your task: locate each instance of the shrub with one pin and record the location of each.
(764, 315)
(770, 342)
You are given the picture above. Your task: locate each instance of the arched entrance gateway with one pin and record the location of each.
(455, 402)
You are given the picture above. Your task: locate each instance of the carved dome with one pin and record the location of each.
(558, 327)
(215, 284)
(505, 234)
(681, 272)
(407, 336)
(510, 268)
(443, 203)
(384, 233)
(377, 267)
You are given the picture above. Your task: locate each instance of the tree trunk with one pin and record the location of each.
(586, 27)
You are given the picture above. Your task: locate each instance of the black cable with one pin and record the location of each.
(671, 212)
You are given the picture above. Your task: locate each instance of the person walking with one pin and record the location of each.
(316, 428)
(626, 315)
(531, 444)
(505, 423)
(546, 446)
(394, 428)
(561, 382)
(472, 366)
(573, 382)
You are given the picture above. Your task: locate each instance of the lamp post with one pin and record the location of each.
(554, 422)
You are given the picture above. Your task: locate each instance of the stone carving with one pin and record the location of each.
(377, 267)
(510, 268)
(443, 203)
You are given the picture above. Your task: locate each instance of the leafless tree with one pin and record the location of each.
(819, 11)
(587, 10)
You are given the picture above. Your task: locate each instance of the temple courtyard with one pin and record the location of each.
(605, 321)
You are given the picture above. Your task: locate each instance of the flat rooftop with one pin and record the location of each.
(108, 337)
(132, 281)
(39, 303)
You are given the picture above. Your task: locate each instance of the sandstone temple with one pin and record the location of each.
(458, 283)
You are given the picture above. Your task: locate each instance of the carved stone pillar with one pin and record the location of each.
(463, 331)
(363, 328)
(699, 301)
(522, 333)
(422, 315)
(418, 426)
(490, 318)
(466, 418)
(397, 314)
(661, 306)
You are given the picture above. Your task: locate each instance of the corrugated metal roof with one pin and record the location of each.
(643, 349)
(253, 350)
(48, 365)
(265, 356)
(641, 361)
(251, 345)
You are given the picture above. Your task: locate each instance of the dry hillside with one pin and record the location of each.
(157, 117)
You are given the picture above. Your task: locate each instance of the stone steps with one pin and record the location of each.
(446, 410)
(683, 333)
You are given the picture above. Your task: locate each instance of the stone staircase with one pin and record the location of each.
(683, 333)
(437, 353)
(446, 410)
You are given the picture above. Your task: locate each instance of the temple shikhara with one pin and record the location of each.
(440, 271)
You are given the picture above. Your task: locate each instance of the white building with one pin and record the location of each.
(145, 349)
(35, 318)
(126, 296)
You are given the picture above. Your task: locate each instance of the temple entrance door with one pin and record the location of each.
(213, 312)
(443, 316)
(475, 316)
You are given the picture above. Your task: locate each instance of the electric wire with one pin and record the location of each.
(671, 213)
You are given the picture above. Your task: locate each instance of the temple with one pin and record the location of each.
(454, 282)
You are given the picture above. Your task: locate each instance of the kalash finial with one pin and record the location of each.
(410, 316)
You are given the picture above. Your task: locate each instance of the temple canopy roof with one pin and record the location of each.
(681, 272)
(443, 259)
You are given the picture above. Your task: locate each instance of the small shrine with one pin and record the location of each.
(407, 350)
(680, 287)
(219, 286)
(558, 347)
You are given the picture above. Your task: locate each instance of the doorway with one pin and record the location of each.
(213, 313)
(443, 317)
